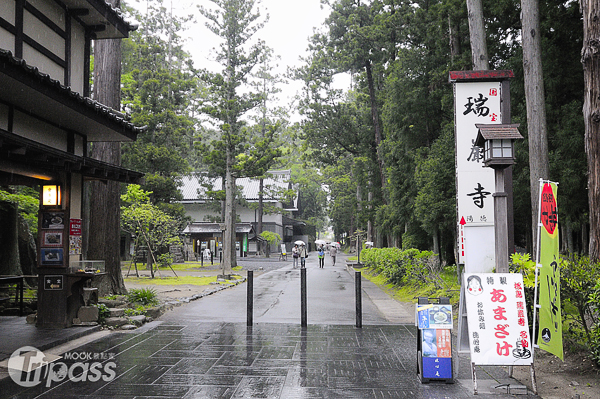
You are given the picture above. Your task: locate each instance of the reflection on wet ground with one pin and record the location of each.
(229, 360)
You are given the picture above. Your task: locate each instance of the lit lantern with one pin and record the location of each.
(51, 195)
(498, 144)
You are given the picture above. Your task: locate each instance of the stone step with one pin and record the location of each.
(116, 312)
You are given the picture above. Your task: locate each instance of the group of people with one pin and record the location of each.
(299, 252)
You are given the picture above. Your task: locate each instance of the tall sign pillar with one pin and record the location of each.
(480, 97)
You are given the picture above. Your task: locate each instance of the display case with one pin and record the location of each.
(87, 267)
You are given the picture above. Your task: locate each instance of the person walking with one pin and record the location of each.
(321, 255)
(295, 255)
(303, 254)
(333, 253)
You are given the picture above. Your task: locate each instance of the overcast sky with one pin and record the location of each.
(291, 23)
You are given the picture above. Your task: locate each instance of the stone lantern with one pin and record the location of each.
(497, 141)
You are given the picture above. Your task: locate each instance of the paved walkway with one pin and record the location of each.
(190, 357)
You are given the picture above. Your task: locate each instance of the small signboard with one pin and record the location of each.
(434, 340)
(53, 282)
(434, 316)
(497, 319)
(75, 227)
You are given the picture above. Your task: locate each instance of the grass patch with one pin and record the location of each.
(410, 292)
(190, 280)
(186, 266)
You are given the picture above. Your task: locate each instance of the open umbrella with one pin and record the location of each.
(337, 244)
(299, 242)
(320, 242)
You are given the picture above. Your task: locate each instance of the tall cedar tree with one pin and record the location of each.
(104, 199)
(590, 57)
(235, 153)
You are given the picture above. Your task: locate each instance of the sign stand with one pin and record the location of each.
(497, 321)
(434, 340)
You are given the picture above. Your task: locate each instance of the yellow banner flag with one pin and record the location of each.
(550, 316)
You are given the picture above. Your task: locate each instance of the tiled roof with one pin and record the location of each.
(193, 191)
(108, 21)
(18, 69)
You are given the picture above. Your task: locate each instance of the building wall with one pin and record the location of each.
(52, 40)
(198, 211)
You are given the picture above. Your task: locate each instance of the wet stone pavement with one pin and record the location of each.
(229, 360)
(205, 350)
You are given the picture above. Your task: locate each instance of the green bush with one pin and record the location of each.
(164, 260)
(140, 310)
(522, 263)
(579, 278)
(103, 312)
(403, 267)
(145, 296)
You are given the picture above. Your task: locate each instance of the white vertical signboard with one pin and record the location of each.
(475, 102)
(497, 319)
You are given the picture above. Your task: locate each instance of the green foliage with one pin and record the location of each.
(103, 312)
(404, 267)
(312, 197)
(154, 228)
(161, 92)
(579, 278)
(145, 296)
(28, 203)
(138, 311)
(164, 260)
(522, 263)
(272, 238)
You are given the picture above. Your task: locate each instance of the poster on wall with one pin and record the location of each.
(52, 238)
(497, 319)
(75, 245)
(51, 256)
(53, 220)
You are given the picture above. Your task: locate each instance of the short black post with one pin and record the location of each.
(357, 285)
(202, 259)
(303, 296)
(250, 299)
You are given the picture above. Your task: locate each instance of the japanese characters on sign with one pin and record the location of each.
(550, 313)
(475, 102)
(75, 239)
(497, 319)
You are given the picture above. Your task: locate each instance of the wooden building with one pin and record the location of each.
(47, 120)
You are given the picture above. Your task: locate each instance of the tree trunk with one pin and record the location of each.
(104, 216)
(229, 258)
(376, 125)
(536, 105)
(590, 58)
(454, 39)
(477, 35)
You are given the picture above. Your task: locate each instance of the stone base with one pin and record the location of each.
(87, 314)
(224, 276)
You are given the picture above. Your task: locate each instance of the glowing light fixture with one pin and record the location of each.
(51, 195)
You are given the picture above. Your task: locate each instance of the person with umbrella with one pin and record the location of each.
(321, 255)
(302, 253)
(333, 252)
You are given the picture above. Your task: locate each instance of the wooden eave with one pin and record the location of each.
(26, 161)
(37, 94)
